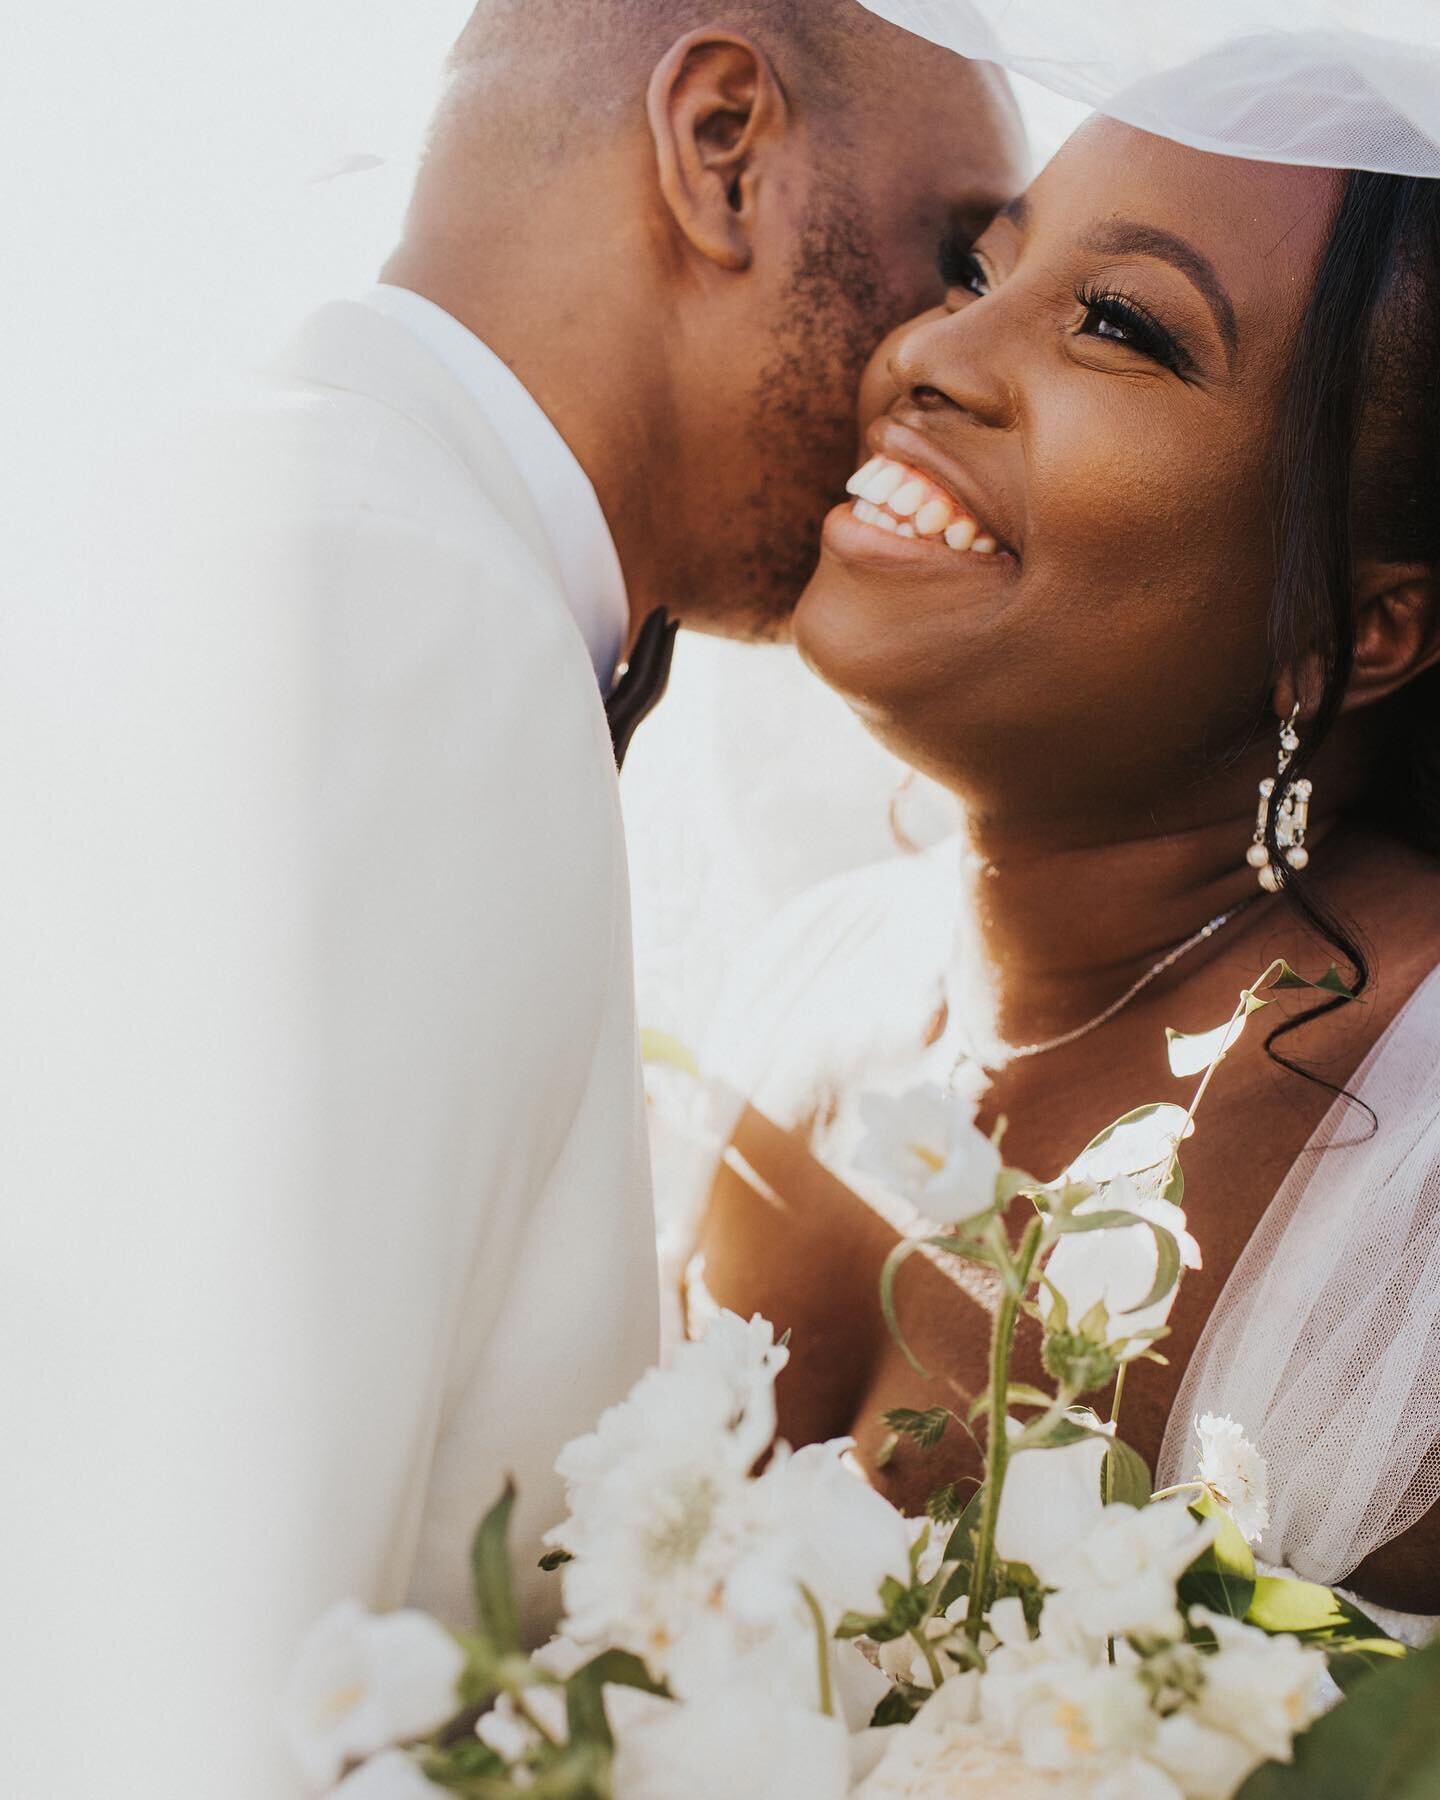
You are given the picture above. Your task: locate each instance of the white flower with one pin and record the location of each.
(1082, 1713)
(726, 1743)
(1205, 1763)
(1118, 1267)
(652, 1546)
(660, 1501)
(364, 1681)
(1050, 1499)
(510, 1735)
(1119, 1579)
(837, 1534)
(926, 1145)
(1234, 1471)
(717, 1394)
(390, 1776)
(1260, 1689)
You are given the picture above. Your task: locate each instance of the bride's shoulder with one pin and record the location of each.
(843, 969)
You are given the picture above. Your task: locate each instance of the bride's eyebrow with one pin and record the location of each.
(1123, 237)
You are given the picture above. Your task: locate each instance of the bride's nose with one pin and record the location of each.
(942, 363)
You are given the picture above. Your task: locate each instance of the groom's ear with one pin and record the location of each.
(716, 111)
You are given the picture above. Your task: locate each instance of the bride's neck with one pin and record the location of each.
(1066, 925)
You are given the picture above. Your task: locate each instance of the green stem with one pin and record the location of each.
(822, 1642)
(1181, 1487)
(932, 1662)
(1002, 1345)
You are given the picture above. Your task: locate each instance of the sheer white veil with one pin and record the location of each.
(1344, 84)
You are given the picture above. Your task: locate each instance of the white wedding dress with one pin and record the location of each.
(1325, 1344)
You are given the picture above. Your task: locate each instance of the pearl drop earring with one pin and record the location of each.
(1291, 818)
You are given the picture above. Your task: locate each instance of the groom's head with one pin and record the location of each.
(687, 225)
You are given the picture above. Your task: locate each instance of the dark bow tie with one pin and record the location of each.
(641, 681)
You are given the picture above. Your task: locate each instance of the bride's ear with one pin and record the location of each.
(1397, 629)
(1397, 637)
(715, 109)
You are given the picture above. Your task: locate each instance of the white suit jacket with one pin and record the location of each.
(438, 1079)
(484, 1197)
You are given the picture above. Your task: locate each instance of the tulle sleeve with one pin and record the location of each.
(1325, 1343)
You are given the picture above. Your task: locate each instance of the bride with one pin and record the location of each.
(1110, 565)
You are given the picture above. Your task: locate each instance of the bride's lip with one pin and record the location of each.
(853, 541)
(903, 444)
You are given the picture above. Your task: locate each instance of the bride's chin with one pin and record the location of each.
(874, 631)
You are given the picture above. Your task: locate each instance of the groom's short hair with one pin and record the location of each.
(588, 44)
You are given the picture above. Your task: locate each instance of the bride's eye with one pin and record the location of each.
(960, 267)
(1121, 321)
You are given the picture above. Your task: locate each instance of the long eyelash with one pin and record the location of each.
(1148, 335)
(955, 259)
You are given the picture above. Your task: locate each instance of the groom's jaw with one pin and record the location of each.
(891, 496)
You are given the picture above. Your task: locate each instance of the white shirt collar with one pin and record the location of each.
(564, 498)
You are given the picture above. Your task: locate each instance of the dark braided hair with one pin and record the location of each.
(1358, 472)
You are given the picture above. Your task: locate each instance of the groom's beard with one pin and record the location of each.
(841, 305)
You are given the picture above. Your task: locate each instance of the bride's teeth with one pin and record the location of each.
(933, 517)
(984, 546)
(883, 483)
(906, 530)
(961, 535)
(884, 521)
(856, 483)
(907, 499)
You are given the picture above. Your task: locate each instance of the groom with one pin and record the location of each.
(611, 368)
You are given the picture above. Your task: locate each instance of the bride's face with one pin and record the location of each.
(1098, 398)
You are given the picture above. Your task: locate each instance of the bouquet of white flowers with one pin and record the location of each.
(747, 1622)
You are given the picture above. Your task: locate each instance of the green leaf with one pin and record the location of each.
(1018, 1393)
(1223, 1577)
(1125, 1476)
(490, 1575)
(960, 1553)
(1353, 1660)
(1353, 1643)
(900, 1705)
(1167, 1268)
(1329, 983)
(1011, 1182)
(1174, 1190)
(467, 1767)
(585, 1693)
(945, 1505)
(1106, 1219)
(905, 1607)
(1307, 1610)
(927, 1428)
(1381, 1743)
(889, 1270)
(973, 1246)
(885, 1455)
(555, 1559)
(1057, 1435)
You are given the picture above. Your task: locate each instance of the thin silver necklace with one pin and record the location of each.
(1167, 961)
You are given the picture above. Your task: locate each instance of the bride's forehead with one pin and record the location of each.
(1234, 209)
